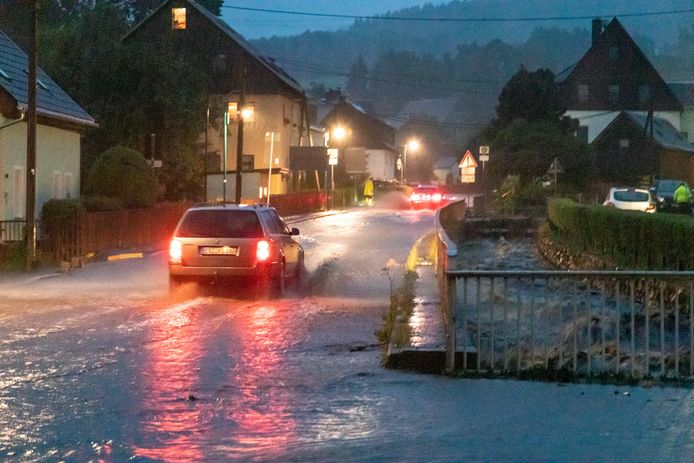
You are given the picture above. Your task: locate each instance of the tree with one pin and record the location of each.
(122, 173)
(532, 96)
(357, 80)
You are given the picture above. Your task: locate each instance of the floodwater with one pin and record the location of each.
(103, 365)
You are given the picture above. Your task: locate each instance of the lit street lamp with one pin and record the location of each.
(337, 136)
(411, 145)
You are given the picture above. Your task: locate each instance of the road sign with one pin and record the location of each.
(484, 153)
(332, 156)
(555, 168)
(467, 168)
(398, 164)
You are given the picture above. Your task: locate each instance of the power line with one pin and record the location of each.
(459, 20)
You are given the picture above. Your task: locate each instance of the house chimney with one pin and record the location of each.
(597, 30)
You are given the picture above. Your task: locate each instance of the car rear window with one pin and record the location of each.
(631, 196)
(220, 224)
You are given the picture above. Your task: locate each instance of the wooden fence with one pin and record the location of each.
(92, 232)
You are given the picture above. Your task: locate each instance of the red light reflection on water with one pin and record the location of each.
(261, 410)
(248, 412)
(169, 376)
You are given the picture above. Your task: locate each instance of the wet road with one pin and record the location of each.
(102, 365)
(108, 366)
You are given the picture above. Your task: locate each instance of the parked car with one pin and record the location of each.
(662, 191)
(426, 196)
(244, 245)
(631, 199)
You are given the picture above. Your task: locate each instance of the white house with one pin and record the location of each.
(61, 122)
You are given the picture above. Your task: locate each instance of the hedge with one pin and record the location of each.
(630, 239)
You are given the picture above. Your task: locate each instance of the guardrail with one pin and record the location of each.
(12, 230)
(588, 323)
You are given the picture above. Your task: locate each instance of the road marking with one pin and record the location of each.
(132, 255)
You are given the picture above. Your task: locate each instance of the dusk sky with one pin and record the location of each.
(252, 24)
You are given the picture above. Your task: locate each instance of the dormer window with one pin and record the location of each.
(178, 19)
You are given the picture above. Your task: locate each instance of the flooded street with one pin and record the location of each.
(103, 365)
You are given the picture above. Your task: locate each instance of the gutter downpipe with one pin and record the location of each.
(13, 122)
(448, 291)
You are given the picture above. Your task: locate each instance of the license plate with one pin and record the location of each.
(219, 251)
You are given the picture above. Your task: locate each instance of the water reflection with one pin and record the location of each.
(169, 376)
(213, 387)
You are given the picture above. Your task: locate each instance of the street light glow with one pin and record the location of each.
(413, 145)
(339, 133)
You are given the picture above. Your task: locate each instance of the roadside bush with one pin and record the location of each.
(122, 173)
(101, 203)
(631, 239)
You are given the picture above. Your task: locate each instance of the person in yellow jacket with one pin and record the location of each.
(682, 199)
(368, 191)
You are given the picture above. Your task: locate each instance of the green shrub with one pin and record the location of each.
(101, 203)
(631, 239)
(122, 173)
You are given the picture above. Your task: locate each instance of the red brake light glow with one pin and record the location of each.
(436, 197)
(175, 251)
(262, 252)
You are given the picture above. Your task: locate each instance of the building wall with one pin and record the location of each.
(677, 165)
(380, 164)
(687, 123)
(57, 154)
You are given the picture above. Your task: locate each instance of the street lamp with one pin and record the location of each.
(337, 136)
(235, 112)
(411, 145)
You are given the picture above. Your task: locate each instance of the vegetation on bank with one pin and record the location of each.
(632, 240)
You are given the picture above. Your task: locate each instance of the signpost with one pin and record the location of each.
(467, 168)
(484, 155)
(554, 169)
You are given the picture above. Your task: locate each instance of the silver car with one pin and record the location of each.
(236, 246)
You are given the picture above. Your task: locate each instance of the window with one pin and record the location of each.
(247, 162)
(58, 192)
(583, 93)
(19, 184)
(220, 64)
(69, 186)
(624, 143)
(220, 224)
(178, 19)
(644, 93)
(613, 94)
(613, 53)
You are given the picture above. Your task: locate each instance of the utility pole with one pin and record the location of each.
(31, 144)
(239, 139)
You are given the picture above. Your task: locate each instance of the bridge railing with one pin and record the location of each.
(634, 324)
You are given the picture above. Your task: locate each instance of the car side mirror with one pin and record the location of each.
(294, 231)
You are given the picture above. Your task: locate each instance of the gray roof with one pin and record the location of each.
(235, 36)
(51, 100)
(664, 133)
(683, 91)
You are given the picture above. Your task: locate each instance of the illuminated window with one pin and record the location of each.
(178, 19)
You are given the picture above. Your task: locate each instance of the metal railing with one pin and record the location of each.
(636, 324)
(12, 230)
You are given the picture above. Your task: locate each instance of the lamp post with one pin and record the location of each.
(412, 145)
(237, 112)
(337, 137)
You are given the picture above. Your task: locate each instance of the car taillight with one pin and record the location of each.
(414, 197)
(175, 251)
(262, 251)
(650, 207)
(436, 197)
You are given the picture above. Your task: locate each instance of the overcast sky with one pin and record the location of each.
(253, 24)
